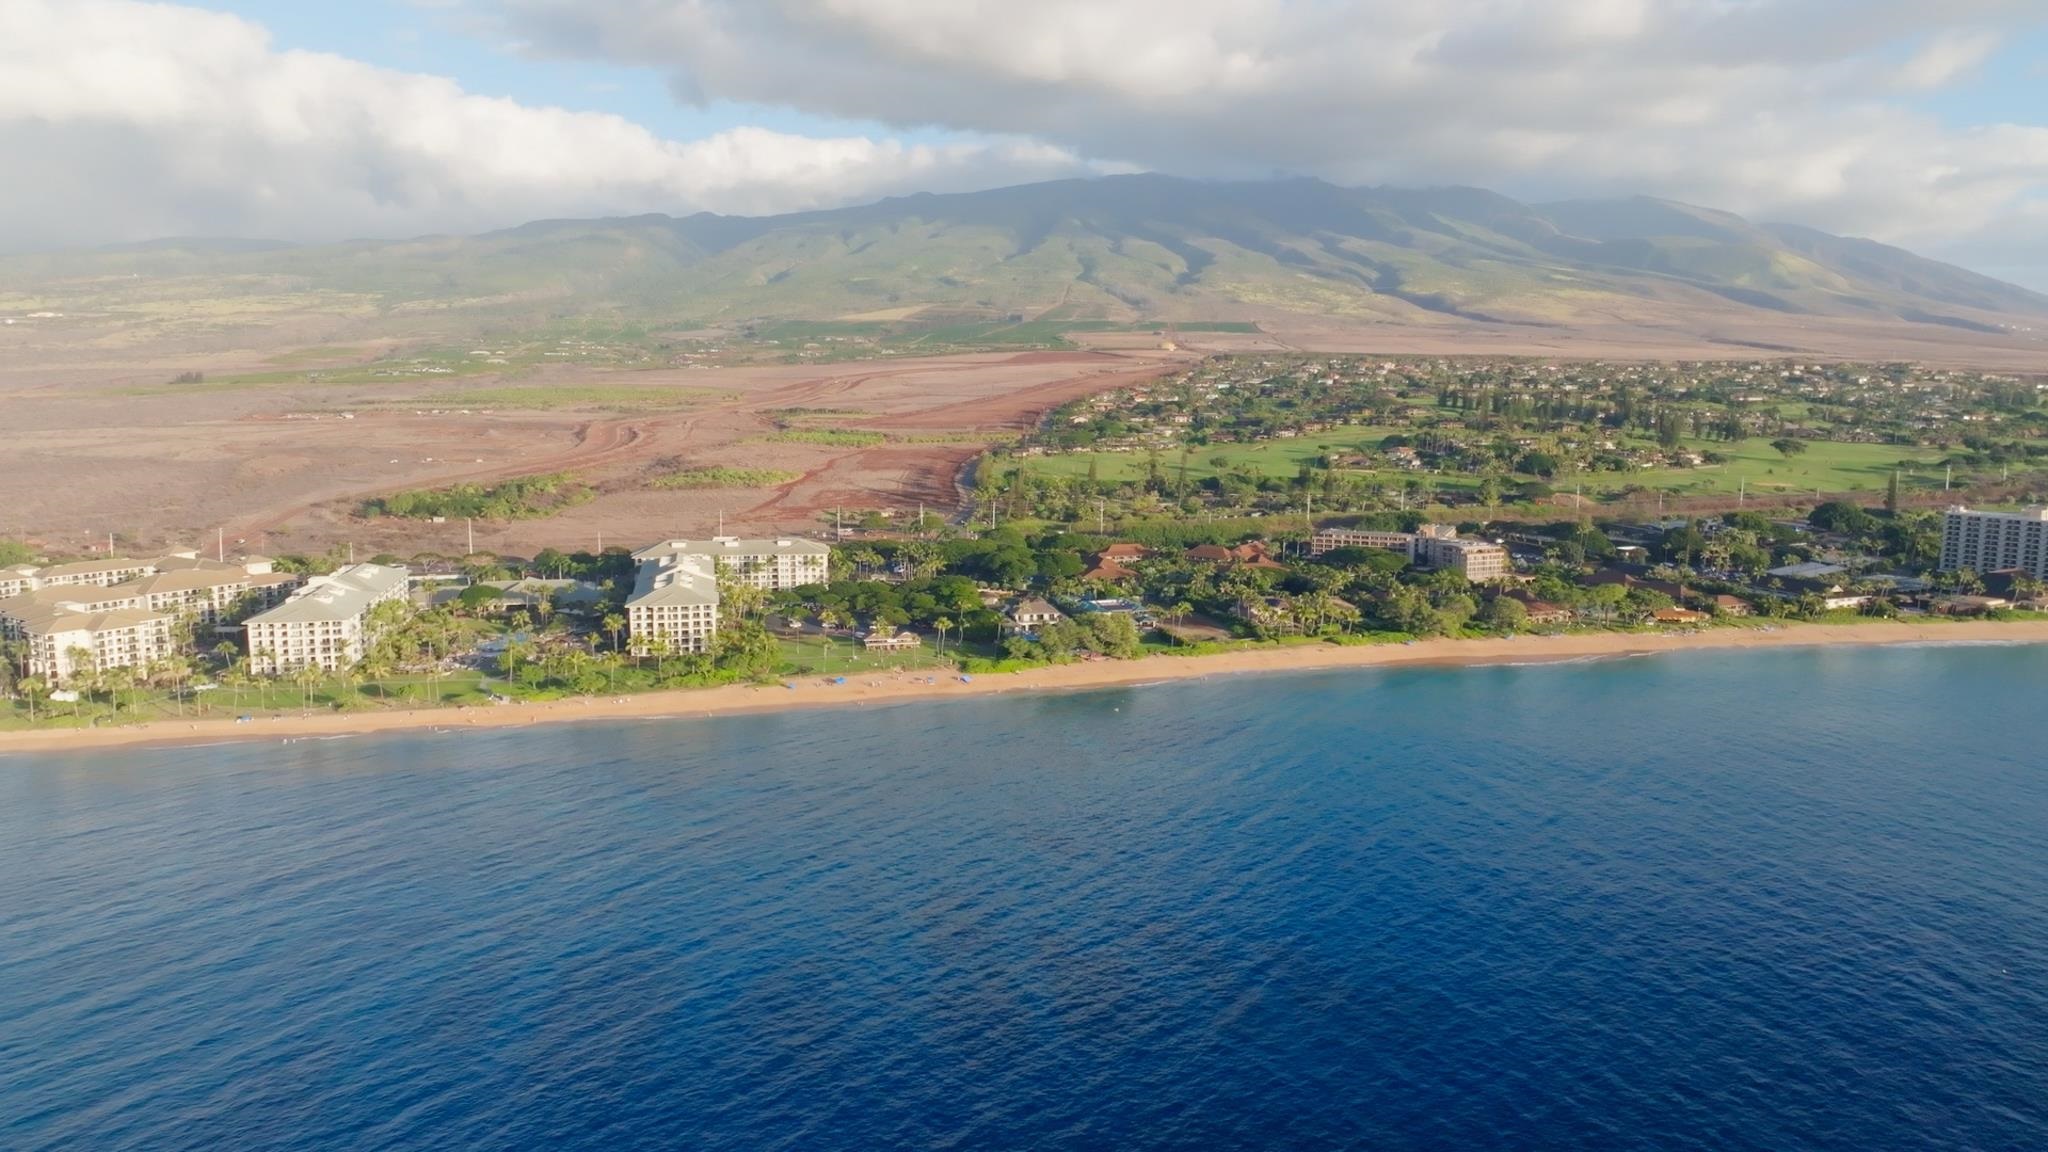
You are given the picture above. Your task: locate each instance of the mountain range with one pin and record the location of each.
(1125, 248)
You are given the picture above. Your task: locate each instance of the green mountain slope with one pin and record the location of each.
(1123, 248)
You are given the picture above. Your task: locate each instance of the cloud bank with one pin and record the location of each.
(125, 121)
(1785, 109)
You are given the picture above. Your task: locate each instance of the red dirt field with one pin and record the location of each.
(282, 468)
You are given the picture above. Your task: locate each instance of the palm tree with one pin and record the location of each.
(614, 624)
(376, 669)
(116, 679)
(32, 687)
(942, 624)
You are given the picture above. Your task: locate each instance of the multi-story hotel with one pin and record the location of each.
(674, 602)
(66, 641)
(1996, 541)
(772, 564)
(1429, 546)
(326, 623)
(70, 613)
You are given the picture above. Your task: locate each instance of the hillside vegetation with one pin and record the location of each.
(1020, 265)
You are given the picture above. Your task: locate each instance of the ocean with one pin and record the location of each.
(1792, 899)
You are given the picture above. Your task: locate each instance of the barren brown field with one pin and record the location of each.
(283, 467)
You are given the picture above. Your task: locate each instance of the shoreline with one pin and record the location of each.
(890, 688)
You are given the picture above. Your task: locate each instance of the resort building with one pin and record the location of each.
(74, 615)
(16, 580)
(95, 573)
(1996, 541)
(776, 565)
(1429, 546)
(674, 602)
(326, 623)
(66, 641)
(1479, 561)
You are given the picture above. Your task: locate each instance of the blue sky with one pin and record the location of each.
(1920, 124)
(452, 40)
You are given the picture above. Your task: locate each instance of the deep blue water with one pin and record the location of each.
(1717, 901)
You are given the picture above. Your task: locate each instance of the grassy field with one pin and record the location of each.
(695, 478)
(1754, 464)
(832, 437)
(269, 698)
(1273, 458)
(814, 656)
(1825, 465)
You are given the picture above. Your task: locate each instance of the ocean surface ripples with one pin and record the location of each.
(1775, 900)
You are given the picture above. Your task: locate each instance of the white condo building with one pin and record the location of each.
(774, 564)
(1429, 546)
(80, 617)
(675, 594)
(674, 600)
(325, 624)
(1996, 541)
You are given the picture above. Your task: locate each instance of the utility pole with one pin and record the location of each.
(1950, 479)
(220, 545)
(1741, 492)
(1101, 516)
(351, 551)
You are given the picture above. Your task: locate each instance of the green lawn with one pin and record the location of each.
(1274, 457)
(1828, 466)
(846, 657)
(1825, 465)
(277, 697)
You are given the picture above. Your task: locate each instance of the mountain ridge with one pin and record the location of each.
(1111, 248)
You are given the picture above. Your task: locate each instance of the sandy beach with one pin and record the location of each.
(887, 688)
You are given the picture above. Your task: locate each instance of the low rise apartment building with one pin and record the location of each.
(1429, 546)
(774, 564)
(1996, 541)
(325, 623)
(674, 605)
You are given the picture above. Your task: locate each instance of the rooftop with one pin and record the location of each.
(2039, 513)
(38, 612)
(679, 579)
(344, 595)
(734, 546)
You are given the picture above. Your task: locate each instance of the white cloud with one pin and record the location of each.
(1781, 108)
(1948, 56)
(124, 121)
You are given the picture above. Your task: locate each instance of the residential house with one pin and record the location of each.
(879, 641)
(1033, 613)
(1541, 612)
